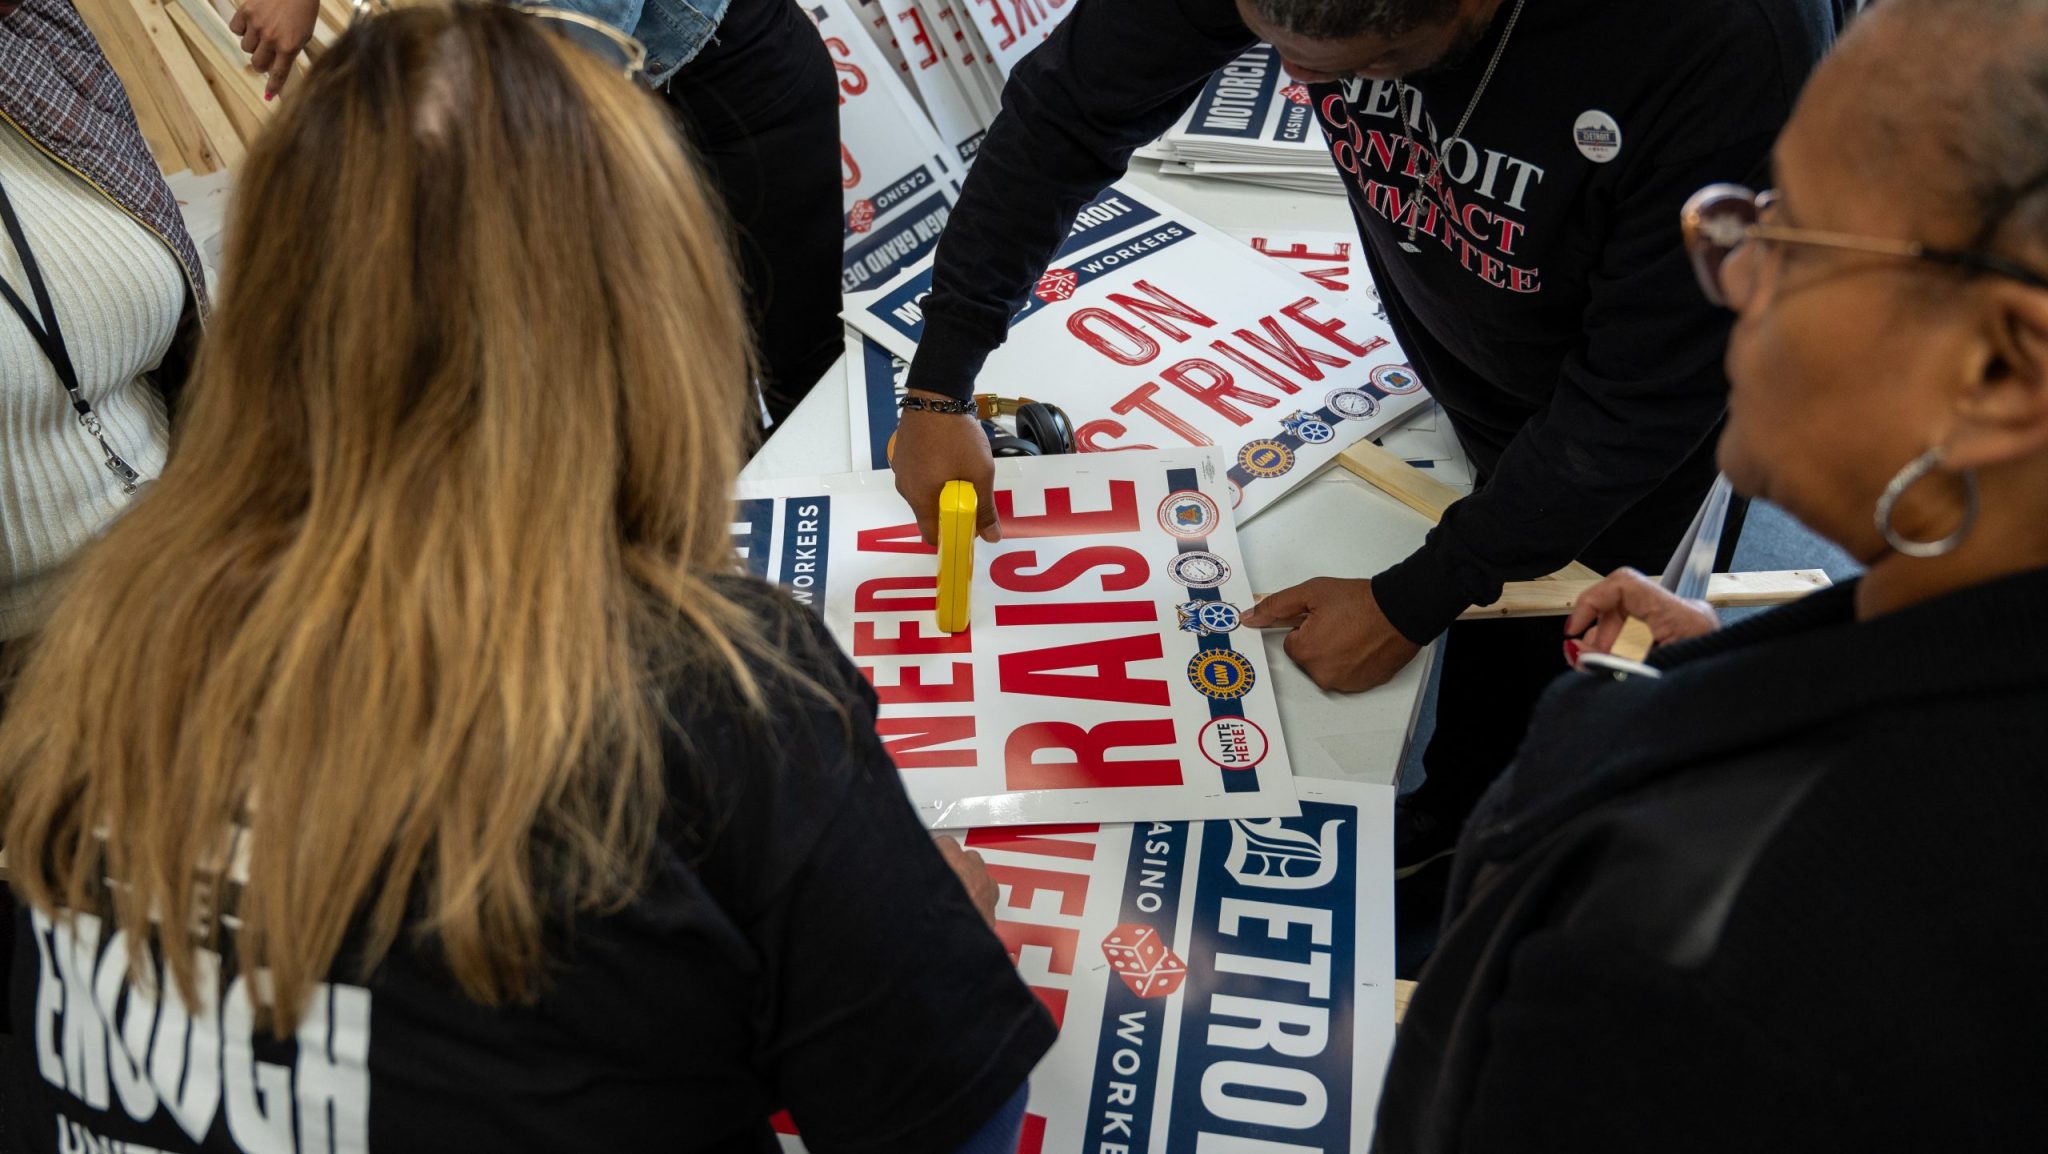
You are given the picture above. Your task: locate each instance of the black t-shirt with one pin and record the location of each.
(1548, 303)
(801, 945)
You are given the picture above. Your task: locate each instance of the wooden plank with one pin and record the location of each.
(238, 89)
(1399, 479)
(1420, 491)
(1404, 991)
(226, 146)
(1554, 597)
(141, 97)
(189, 147)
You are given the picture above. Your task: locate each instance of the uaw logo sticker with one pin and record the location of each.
(1295, 93)
(1198, 570)
(1352, 404)
(1207, 617)
(1189, 515)
(1311, 430)
(1395, 380)
(1222, 674)
(862, 216)
(1233, 743)
(1265, 458)
(1598, 136)
(1056, 285)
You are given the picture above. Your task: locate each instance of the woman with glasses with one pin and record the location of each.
(410, 771)
(1786, 894)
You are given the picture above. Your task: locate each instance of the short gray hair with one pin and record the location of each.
(1343, 19)
(1985, 110)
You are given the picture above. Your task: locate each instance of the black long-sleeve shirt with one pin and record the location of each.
(1549, 308)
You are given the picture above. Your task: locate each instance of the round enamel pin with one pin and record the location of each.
(1598, 136)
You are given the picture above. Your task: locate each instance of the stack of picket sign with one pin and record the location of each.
(1252, 123)
(197, 101)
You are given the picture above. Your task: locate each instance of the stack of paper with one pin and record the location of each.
(1251, 123)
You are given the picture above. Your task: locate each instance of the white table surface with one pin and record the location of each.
(1332, 525)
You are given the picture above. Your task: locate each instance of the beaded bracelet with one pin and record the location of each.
(910, 404)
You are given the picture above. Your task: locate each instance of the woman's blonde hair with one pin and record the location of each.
(442, 515)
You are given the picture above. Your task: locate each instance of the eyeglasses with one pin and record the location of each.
(609, 44)
(1721, 218)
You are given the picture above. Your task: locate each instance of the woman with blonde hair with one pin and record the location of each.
(408, 770)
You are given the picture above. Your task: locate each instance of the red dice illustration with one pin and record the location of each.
(861, 217)
(1056, 285)
(1296, 93)
(1144, 962)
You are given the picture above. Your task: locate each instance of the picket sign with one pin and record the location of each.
(1219, 985)
(958, 122)
(898, 186)
(943, 24)
(1011, 28)
(875, 19)
(1103, 675)
(1255, 123)
(1152, 329)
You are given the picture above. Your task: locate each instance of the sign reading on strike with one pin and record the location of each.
(1153, 330)
(1104, 674)
(1221, 986)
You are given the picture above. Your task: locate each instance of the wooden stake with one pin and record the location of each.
(220, 138)
(1419, 491)
(1555, 597)
(124, 24)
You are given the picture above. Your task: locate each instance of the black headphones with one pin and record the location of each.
(1041, 428)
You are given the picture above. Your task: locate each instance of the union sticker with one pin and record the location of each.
(1222, 674)
(1265, 458)
(1189, 515)
(1234, 743)
(1198, 570)
(1396, 380)
(1352, 404)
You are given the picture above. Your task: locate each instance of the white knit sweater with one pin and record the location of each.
(118, 293)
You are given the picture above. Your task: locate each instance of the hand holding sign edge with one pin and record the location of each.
(1343, 642)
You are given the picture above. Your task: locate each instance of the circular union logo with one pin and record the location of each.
(1222, 674)
(1218, 617)
(1314, 432)
(1396, 380)
(1352, 404)
(1233, 743)
(1198, 570)
(1189, 515)
(1265, 458)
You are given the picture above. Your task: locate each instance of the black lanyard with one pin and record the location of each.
(49, 336)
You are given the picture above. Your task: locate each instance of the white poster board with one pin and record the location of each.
(1222, 987)
(1103, 676)
(898, 187)
(1249, 111)
(1012, 28)
(955, 116)
(1154, 330)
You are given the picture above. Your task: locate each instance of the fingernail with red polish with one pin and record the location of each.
(1572, 650)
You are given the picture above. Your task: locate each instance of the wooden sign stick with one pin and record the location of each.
(1419, 491)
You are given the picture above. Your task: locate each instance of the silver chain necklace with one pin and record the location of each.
(1401, 91)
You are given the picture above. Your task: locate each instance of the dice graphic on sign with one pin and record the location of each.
(862, 216)
(1144, 962)
(1056, 285)
(1296, 93)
